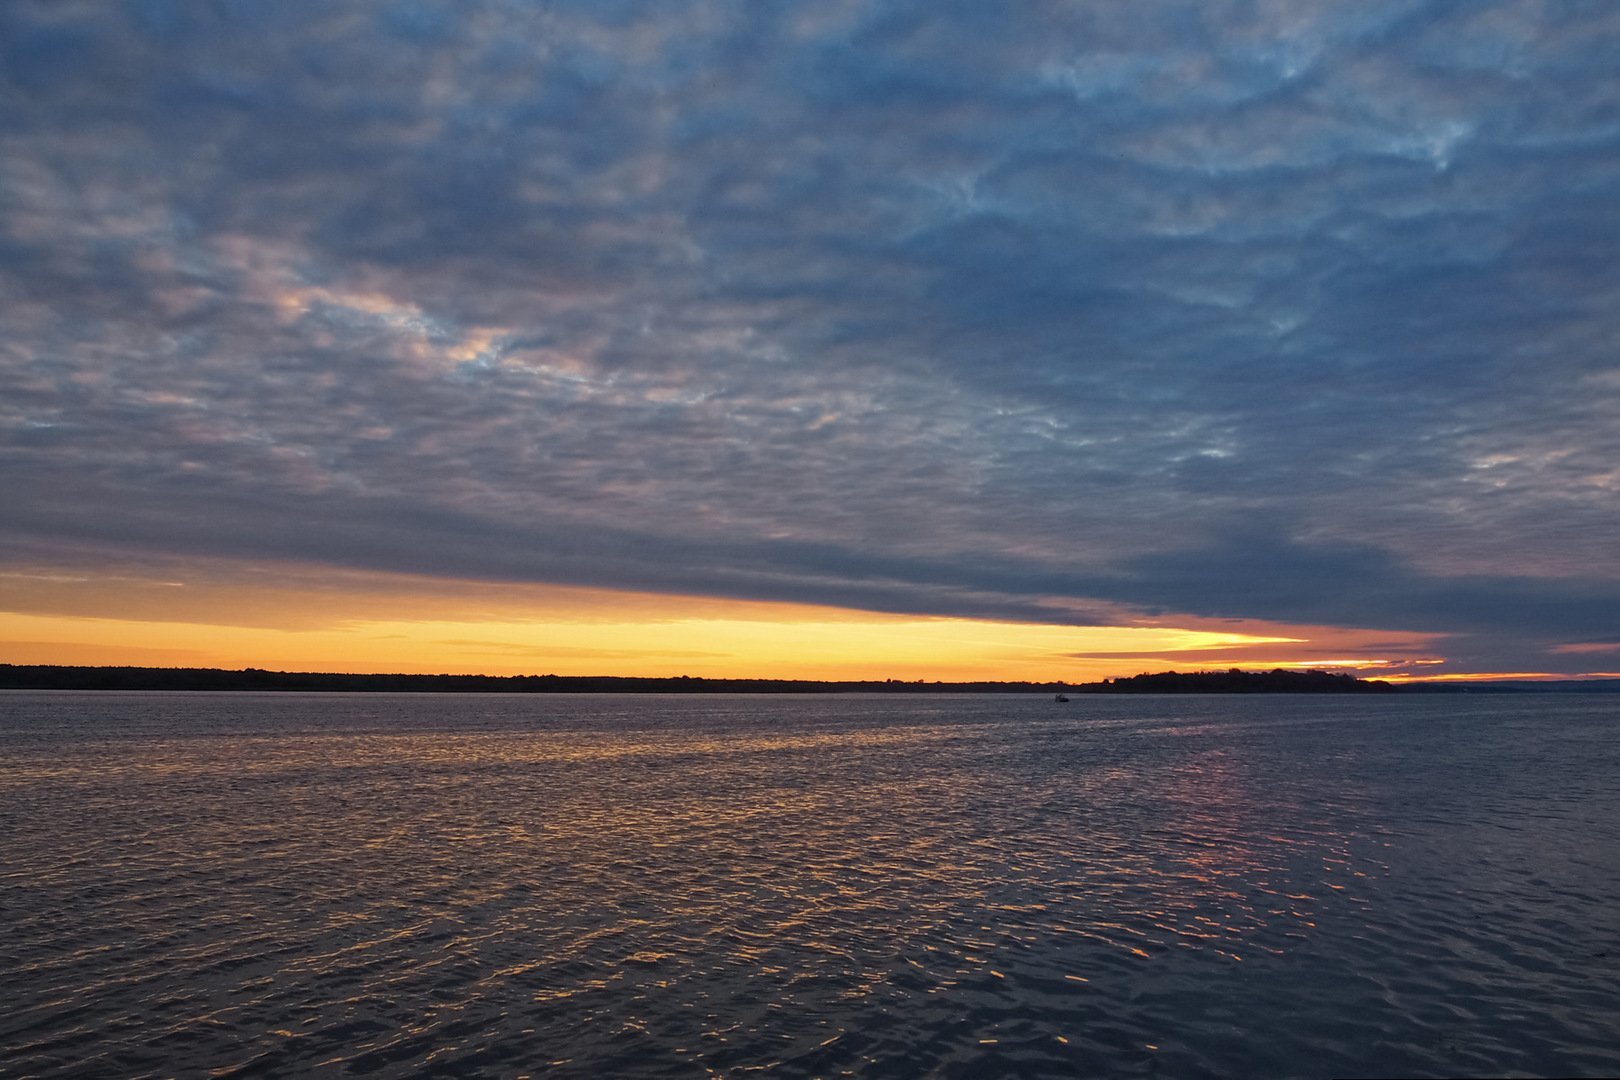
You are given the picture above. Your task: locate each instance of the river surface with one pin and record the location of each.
(876, 886)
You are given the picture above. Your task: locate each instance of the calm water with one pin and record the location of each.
(877, 886)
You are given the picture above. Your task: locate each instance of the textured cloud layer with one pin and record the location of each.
(1295, 311)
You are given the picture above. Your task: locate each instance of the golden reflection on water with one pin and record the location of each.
(815, 886)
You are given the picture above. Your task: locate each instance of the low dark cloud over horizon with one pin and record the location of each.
(1302, 312)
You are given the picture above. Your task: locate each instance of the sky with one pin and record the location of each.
(837, 340)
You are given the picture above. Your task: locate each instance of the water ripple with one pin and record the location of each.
(281, 885)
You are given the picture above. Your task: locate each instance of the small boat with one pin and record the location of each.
(1061, 697)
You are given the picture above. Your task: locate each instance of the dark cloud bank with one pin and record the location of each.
(1288, 311)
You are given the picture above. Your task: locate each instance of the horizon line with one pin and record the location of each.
(1394, 679)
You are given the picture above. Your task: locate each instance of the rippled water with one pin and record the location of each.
(875, 886)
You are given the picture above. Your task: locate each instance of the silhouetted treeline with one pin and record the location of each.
(1239, 682)
(61, 677)
(53, 677)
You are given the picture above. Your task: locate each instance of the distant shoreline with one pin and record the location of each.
(67, 677)
(53, 677)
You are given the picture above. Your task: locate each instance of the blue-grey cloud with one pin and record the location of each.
(1294, 311)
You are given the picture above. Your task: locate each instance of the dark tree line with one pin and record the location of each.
(53, 677)
(1277, 681)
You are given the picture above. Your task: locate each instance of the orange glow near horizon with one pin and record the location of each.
(808, 643)
(285, 617)
(1259, 664)
(1488, 676)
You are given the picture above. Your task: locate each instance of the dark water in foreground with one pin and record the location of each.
(876, 886)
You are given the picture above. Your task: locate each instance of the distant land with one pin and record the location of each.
(1239, 682)
(53, 677)
(62, 677)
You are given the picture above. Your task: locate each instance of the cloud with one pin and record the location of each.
(1297, 311)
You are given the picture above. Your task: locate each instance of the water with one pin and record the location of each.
(386, 885)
